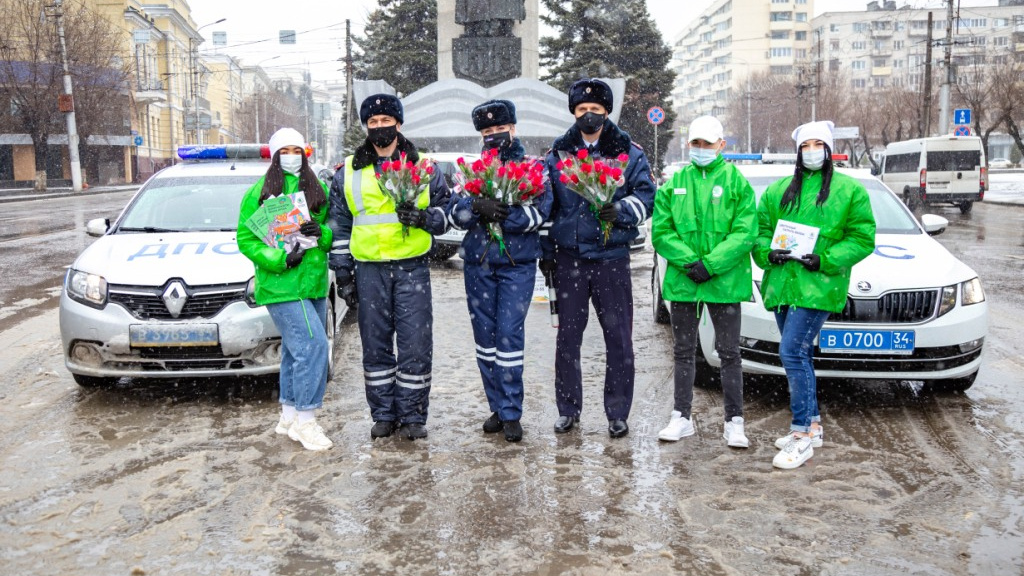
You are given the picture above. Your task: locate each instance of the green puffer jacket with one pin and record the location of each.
(706, 214)
(275, 282)
(846, 236)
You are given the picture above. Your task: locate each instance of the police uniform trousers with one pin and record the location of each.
(608, 284)
(499, 297)
(395, 310)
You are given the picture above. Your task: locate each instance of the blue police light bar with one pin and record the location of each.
(738, 156)
(223, 151)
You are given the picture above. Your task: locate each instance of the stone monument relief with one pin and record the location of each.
(487, 52)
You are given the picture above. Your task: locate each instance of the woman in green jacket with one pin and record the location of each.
(804, 291)
(292, 283)
(704, 227)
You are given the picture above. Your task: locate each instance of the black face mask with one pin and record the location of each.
(382, 137)
(590, 122)
(497, 140)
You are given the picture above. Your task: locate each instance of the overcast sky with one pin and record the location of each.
(252, 26)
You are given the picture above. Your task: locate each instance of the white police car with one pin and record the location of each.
(164, 292)
(913, 312)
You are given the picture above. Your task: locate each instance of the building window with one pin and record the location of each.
(780, 34)
(1001, 41)
(879, 82)
(800, 36)
(781, 52)
(782, 70)
(801, 16)
(833, 28)
(858, 65)
(781, 17)
(834, 46)
(859, 45)
(860, 83)
(896, 64)
(800, 53)
(878, 62)
(861, 26)
(897, 44)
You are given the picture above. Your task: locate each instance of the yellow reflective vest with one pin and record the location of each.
(377, 234)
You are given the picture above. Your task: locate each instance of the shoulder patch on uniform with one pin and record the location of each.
(637, 146)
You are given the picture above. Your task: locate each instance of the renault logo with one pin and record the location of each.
(864, 286)
(174, 298)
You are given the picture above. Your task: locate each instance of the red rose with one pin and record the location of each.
(616, 173)
(415, 178)
(478, 166)
(523, 186)
(575, 179)
(623, 157)
(603, 179)
(461, 161)
(582, 153)
(587, 168)
(564, 178)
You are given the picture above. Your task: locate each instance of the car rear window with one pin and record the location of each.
(953, 160)
(188, 204)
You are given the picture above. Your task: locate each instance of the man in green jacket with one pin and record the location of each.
(704, 225)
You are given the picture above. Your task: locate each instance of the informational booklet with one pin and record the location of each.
(799, 239)
(277, 222)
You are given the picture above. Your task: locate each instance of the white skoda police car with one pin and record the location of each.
(164, 292)
(914, 311)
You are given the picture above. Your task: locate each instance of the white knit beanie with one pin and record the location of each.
(286, 137)
(820, 130)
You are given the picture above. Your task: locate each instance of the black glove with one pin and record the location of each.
(349, 294)
(697, 272)
(294, 257)
(811, 261)
(411, 216)
(343, 277)
(310, 229)
(490, 209)
(779, 256)
(608, 212)
(547, 266)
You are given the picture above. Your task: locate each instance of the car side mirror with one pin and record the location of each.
(97, 226)
(934, 225)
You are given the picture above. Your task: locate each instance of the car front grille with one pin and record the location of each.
(894, 307)
(146, 302)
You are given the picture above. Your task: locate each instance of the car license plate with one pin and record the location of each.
(867, 341)
(141, 335)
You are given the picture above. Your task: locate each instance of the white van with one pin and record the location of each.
(939, 170)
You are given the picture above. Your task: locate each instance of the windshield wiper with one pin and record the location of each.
(149, 229)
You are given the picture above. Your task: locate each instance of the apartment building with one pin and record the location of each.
(716, 54)
(886, 46)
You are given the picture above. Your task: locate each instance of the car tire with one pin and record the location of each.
(661, 315)
(950, 384)
(94, 381)
(912, 199)
(442, 252)
(966, 207)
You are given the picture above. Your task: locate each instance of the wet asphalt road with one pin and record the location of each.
(190, 478)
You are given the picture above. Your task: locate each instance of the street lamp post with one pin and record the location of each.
(193, 61)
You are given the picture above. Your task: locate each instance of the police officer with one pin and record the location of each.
(499, 283)
(390, 271)
(588, 267)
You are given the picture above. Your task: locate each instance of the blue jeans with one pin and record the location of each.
(799, 327)
(303, 351)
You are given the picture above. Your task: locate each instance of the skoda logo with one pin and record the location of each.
(174, 298)
(864, 286)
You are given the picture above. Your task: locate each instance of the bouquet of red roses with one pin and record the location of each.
(403, 181)
(595, 180)
(514, 183)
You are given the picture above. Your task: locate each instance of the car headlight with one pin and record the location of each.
(948, 299)
(971, 292)
(250, 292)
(89, 289)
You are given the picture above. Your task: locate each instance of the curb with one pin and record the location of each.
(27, 195)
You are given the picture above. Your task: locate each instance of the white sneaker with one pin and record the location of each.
(734, 433)
(283, 425)
(817, 439)
(678, 427)
(794, 454)
(310, 434)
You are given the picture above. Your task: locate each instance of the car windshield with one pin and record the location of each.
(187, 205)
(890, 215)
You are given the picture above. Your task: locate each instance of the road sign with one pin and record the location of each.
(138, 140)
(655, 115)
(962, 116)
(846, 132)
(962, 131)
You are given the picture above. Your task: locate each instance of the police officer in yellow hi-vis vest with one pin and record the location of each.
(388, 271)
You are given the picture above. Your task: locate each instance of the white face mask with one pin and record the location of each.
(291, 163)
(813, 159)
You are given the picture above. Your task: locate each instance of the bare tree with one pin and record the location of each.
(29, 75)
(980, 88)
(1010, 80)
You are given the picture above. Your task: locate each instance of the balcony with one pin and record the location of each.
(881, 71)
(881, 33)
(881, 52)
(150, 91)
